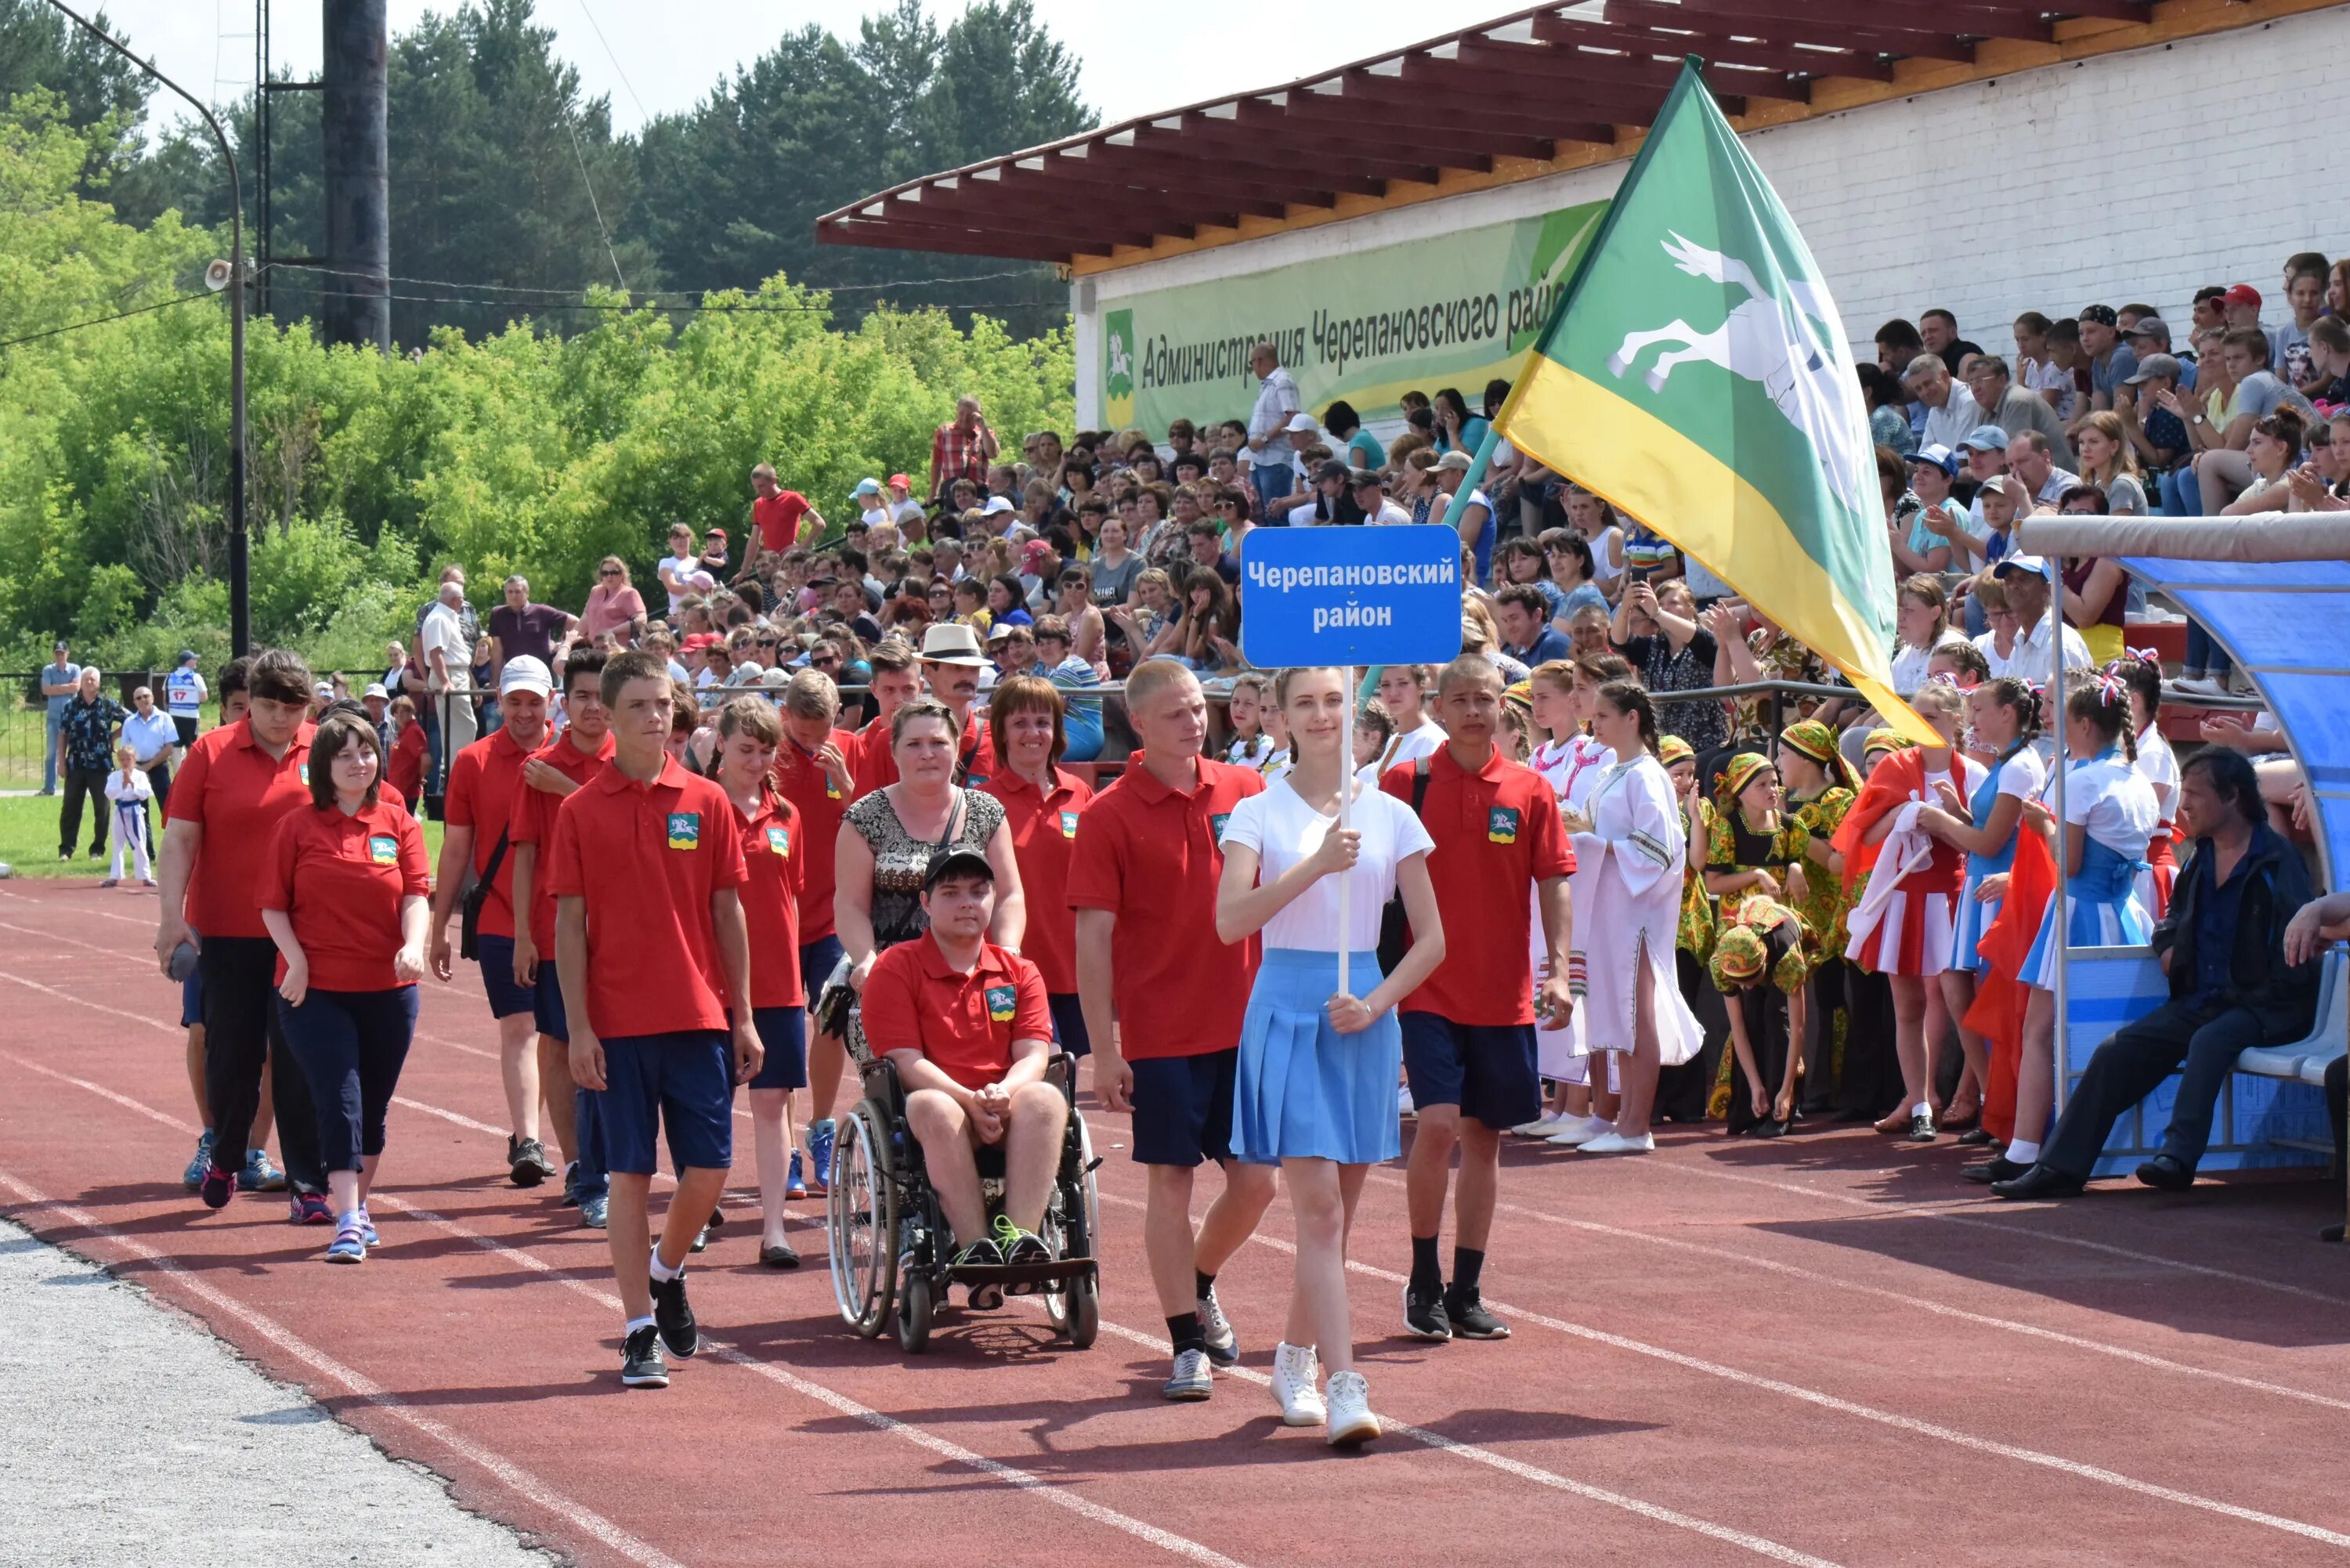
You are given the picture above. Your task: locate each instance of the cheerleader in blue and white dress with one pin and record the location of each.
(2109, 818)
(1314, 1085)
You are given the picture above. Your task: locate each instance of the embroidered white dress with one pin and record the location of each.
(1572, 768)
(1632, 862)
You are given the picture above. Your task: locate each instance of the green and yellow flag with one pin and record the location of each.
(1695, 373)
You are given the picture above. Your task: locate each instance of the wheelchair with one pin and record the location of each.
(888, 1237)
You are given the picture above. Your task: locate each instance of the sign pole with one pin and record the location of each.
(1345, 821)
(2064, 997)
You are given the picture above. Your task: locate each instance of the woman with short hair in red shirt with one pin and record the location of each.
(1042, 801)
(343, 894)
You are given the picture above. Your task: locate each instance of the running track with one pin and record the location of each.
(1817, 1351)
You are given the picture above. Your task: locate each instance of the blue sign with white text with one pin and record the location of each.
(1359, 595)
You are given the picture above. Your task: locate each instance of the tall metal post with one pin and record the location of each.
(355, 126)
(240, 612)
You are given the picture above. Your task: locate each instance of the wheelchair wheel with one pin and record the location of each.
(1072, 1230)
(914, 1308)
(1080, 1318)
(862, 1236)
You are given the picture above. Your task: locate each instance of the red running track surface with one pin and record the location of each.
(1818, 1350)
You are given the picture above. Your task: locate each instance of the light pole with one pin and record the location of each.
(240, 617)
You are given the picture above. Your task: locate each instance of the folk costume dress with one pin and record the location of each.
(1572, 768)
(2159, 765)
(2111, 800)
(2021, 775)
(1761, 939)
(1828, 1016)
(1304, 1090)
(1686, 1093)
(1635, 854)
(1732, 846)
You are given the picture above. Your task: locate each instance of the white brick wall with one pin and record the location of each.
(2048, 190)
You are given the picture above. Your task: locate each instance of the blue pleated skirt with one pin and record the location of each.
(2094, 922)
(1973, 920)
(1303, 1090)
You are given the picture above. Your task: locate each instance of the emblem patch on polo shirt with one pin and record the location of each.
(1068, 825)
(779, 840)
(831, 787)
(1501, 825)
(1003, 1001)
(382, 851)
(1216, 826)
(304, 769)
(684, 829)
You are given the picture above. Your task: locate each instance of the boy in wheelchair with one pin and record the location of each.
(966, 1025)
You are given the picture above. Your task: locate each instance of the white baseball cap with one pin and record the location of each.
(526, 673)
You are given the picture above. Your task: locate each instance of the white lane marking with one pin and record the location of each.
(1010, 1475)
(520, 1482)
(1852, 1407)
(1922, 1304)
(1522, 1470)
(2011, 1232)
(101, 914)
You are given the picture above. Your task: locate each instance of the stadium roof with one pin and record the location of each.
(1557, 87)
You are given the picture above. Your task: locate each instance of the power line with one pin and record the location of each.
(615, 58)
(744, 309)
(654, 294)
(102, 320)
(594, 205)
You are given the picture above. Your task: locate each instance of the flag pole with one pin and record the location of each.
(2063, 764)
(1345, 821)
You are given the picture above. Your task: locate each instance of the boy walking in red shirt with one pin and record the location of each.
(1143, 883)
(652, 953)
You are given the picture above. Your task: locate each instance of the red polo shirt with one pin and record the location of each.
(821, 804)
(1497, 833)
(1151, 855)
(237, 793)
(484, 779)
(876, 767)
(534, 823)
(340, 880)
(775, 857)
(1044, 839)
(648, 857)
(777, 519)
(963, 1023)
(404, 768)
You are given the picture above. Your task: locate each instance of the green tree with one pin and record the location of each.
(41, 50)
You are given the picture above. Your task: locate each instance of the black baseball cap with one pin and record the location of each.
(949, 863)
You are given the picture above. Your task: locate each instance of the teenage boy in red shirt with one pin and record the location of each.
(966, 1023)
(550, 777)
(1143, 883)
(893, 683)
(654, 959)
(1468, 1029)
(477, 836)
(814, 771)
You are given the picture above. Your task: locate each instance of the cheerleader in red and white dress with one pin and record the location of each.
(2158, 765)
(1572, 763)
(1902, 927)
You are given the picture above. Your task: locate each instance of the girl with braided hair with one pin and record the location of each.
(2142, 674)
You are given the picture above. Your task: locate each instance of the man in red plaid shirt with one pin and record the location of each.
(961, 450)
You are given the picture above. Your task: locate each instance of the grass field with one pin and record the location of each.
(28, 837)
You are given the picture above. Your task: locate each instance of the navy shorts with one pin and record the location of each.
(819, 959)
(1486, 1069)
(191, 999)
(682, 1084)
(1183, 1109)
(547, 1004)
(507, 998)
(783, 1032)
(1069, 1023)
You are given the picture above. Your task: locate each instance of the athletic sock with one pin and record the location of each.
(1426, 1273)
(635, 1324)
(1184, 1331)
(1206, 1281)
(2021, 1152)
(348, 1219)
(1468, 1262)
(663, 1271)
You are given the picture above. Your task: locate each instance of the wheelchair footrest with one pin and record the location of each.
(1016, 1278)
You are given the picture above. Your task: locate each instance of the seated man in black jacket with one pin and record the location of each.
(2231, 987)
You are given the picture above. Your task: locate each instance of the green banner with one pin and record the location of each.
(1453, 310)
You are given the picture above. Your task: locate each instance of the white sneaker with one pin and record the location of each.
(2200, 686)
(1294, 1370)
(1224, 1345)
(1542, 1126)
(1404, 1106)
(1572, 1132)
(1191, 1379)
(1349, 1421)
(1614, 1142)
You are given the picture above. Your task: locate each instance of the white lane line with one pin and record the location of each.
(1010, 1475)
(1852, 1407)
(1518, 1469)
(2011, 1232)
(1922, 1304)
(100, 914)
(516, 1480)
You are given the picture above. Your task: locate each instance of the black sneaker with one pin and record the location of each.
(641, 1365)
(673, 1316)
(526, 1162)
(1469, 1318)
(1423, 1314)
(981, 1253)
(571, 1185)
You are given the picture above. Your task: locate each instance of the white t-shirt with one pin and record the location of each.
(2022, 774)
(2158, 765)
(2113, 801)
(1909, 663)
(672, 573)
(443, 630)
(1404, 748)
(1390, 513)
(1969, 778)
(1606, 558)
(873, 517)
(2031, 660)
(1283, 830)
